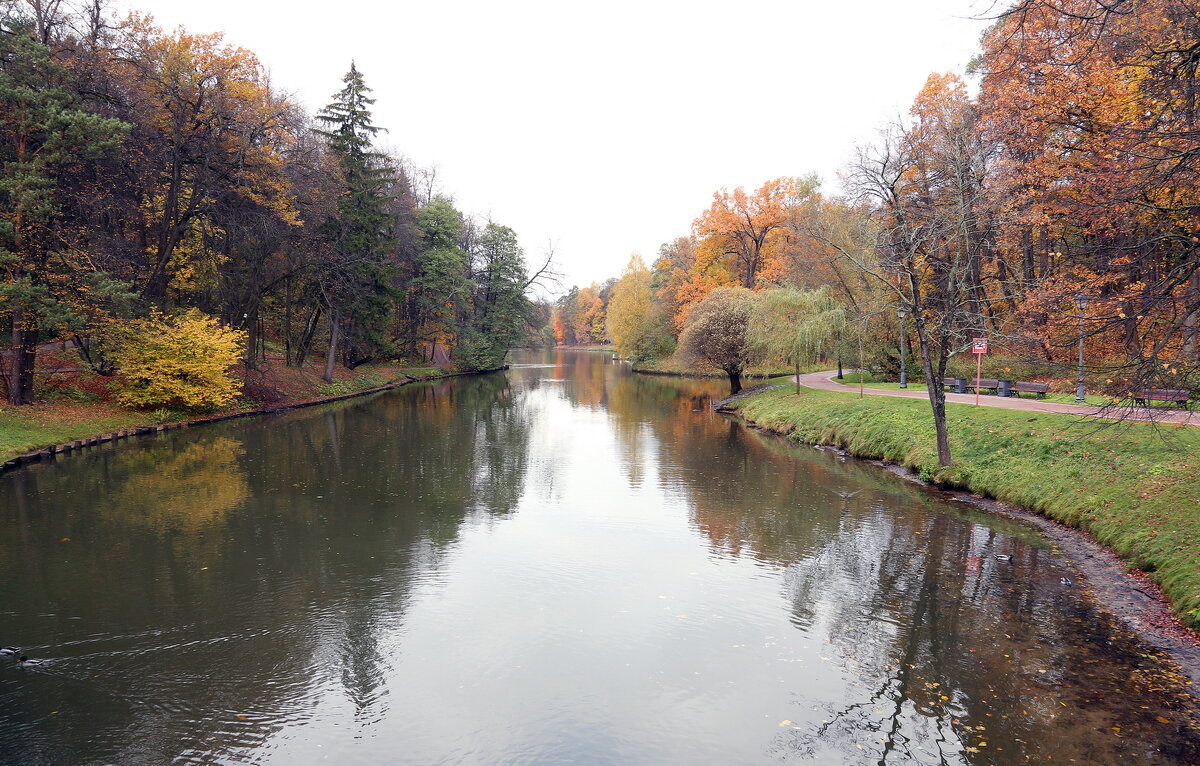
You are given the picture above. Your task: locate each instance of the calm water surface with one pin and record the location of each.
(565, 564)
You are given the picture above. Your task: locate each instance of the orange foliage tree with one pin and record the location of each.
(741, 233)
(1093, 104)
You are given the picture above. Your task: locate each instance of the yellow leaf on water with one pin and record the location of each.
(785, 722)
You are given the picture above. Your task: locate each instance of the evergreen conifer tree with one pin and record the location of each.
(357, 287)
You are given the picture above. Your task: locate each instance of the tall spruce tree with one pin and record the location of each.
(357, 286)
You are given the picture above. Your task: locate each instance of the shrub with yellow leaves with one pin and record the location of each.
(180, 361)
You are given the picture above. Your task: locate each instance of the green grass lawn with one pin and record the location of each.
(1130, 485)
(28, 428)
(422, 372)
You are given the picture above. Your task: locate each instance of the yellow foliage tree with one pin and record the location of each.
(179, 361)
(635, 319)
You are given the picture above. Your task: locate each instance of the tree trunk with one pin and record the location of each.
(333, 340)
(24, 356)
(310, 330)
(1189, 338)
(252, 341)
(735, 381)
(862, 370)
(797, 377)
(937, 395)
(287, 322)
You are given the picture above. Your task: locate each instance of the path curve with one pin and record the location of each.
(823, 381)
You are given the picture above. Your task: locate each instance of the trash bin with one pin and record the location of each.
(1004, 388)
(960, 385)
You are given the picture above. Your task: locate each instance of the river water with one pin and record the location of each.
(563, 564)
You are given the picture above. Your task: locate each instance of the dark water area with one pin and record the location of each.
(566, 563)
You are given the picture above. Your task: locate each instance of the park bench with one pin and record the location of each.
(984, 383)
(1041, 389)
(960, 385)
(1147, 395)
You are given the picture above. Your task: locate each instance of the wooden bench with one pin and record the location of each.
(988, 383)
(1020, 387)
(1147, 395)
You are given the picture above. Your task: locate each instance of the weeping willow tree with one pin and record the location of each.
(794, 326)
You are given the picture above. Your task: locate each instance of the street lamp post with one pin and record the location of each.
(1081, 302)
(901, 312)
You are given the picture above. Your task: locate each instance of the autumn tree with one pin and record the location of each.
(181, 361)
(1094, 106)
(715, 333)
(588, 316)
(926, 181)
(742, 232)
(672, 270)
(563, 321)
(635, 321)
(208, 131)
(45, 135)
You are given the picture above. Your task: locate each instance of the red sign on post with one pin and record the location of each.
(979, 345)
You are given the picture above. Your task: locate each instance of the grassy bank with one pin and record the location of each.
(23, 429)
(1130, 486)
(81, 405)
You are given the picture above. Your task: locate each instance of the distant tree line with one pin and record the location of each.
(144, 170)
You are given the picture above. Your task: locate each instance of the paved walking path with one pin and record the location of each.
(824, 382)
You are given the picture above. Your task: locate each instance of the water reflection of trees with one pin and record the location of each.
(950, 655)
(244, 569)
(957, 656)
(205, 476)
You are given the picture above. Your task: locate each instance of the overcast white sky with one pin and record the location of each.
(605, 128)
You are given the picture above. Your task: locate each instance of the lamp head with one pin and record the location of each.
(902, 311)
(1081, 301)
